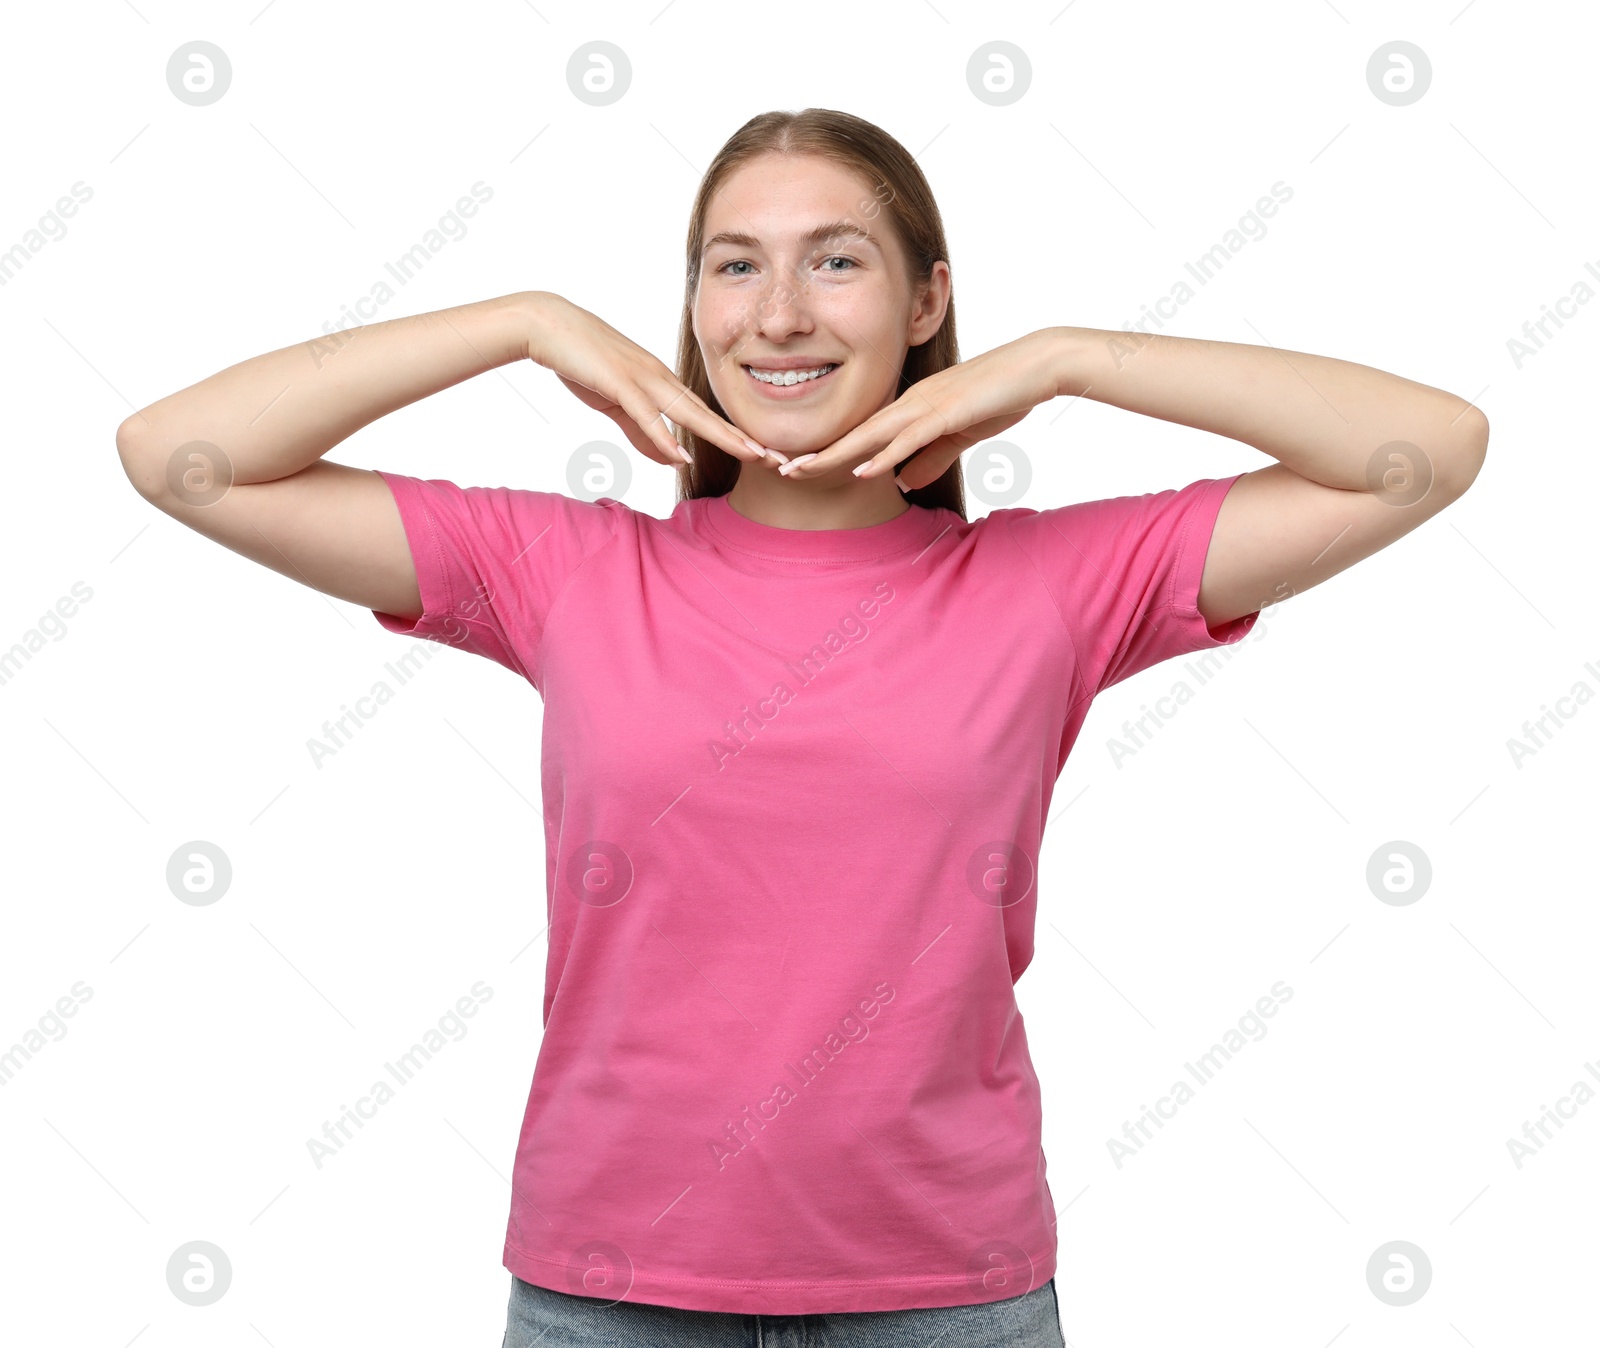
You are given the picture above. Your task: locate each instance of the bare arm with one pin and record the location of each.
(259, 430)
(275, 414)
(238, 456)
(1364, 456)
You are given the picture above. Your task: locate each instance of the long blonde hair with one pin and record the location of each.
(903, 196)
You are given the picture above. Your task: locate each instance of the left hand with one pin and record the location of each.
(947, 413)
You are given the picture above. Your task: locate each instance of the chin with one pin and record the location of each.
(793, 445)
(794, 436)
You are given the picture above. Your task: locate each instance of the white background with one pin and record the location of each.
(1230, 853)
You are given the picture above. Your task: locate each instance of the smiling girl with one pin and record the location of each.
(800, 738)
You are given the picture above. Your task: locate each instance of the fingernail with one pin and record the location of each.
(795, 463)
(900, 484)
(758, 449)
(860, 468)
(781, 458)
(684, 454)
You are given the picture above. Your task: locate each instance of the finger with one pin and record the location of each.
(915, 439)
(688, 410)
(632, 420)
(869, 438)
(654, 425)
(930, 465)
(770, 457)
(639, 440)
(901, 446)
(887, 458)
(957, 442)
(690, 394)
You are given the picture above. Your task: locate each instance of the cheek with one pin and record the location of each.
(721, 363)
(720, 314)
(719, 328)
(865, 320)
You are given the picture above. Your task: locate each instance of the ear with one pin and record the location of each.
(933, 298)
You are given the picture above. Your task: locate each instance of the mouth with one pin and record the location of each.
(785, 384)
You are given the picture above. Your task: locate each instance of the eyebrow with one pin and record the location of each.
(834, 229)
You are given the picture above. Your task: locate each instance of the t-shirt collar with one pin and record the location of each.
(915, 527)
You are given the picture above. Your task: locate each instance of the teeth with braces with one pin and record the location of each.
(789, 376)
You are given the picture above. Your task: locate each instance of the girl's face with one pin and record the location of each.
(802, 272)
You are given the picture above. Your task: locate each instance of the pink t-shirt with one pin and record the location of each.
(795, 783)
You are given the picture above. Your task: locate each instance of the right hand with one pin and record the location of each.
(613, 375)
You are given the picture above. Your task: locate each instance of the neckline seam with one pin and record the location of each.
(915, 538)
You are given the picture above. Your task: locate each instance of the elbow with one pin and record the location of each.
(137, 461)
(128, 430)
(1466, 458)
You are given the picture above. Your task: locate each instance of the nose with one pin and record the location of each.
(782, 308)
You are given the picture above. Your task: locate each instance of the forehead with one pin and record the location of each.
(778, 197)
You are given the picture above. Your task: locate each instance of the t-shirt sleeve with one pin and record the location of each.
(1125, 576)
(491, 562)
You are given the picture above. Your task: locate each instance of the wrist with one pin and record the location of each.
(532, 314)
(1081, 357)
(517, 315)
(541, 314)
(1069, 363)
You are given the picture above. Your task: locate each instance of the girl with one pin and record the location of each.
(799, 738)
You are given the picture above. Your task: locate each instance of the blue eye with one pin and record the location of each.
(740, 262)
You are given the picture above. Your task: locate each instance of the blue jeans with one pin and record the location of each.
(542, 1318)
